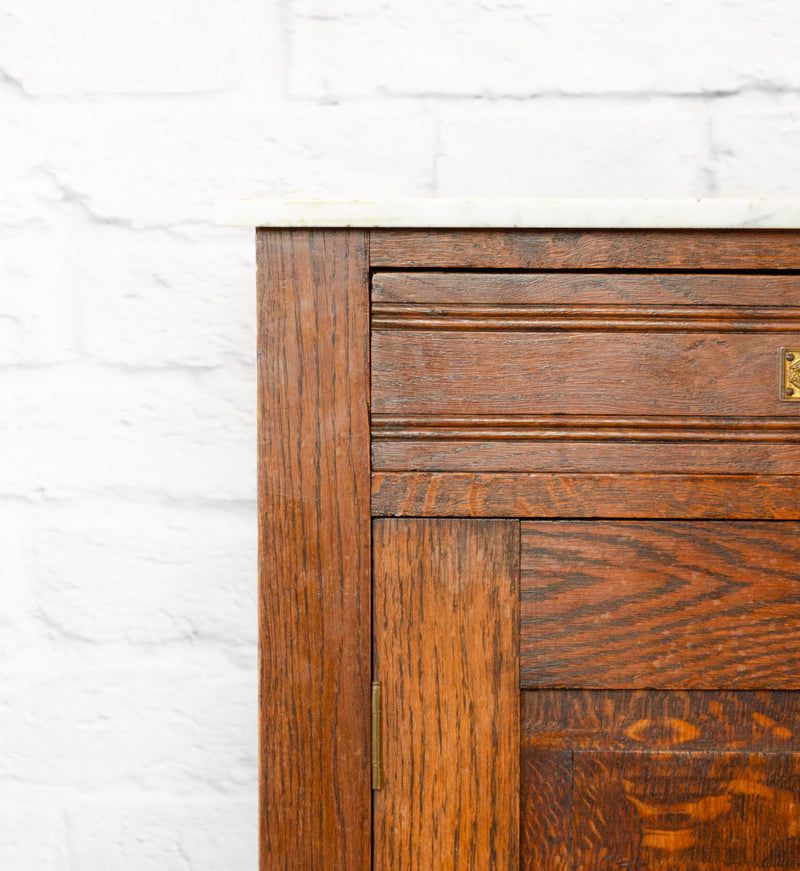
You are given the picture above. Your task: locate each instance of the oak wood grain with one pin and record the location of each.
(764, 453)
(639, 720)
(660, 428)
(626, 604)
(314, 556)
(545, 810)
(572, 318)
(686, 811)
(586, 249)
(445, 629)
(418, 372)
(580, 289)
(457, 494)
(673, 800)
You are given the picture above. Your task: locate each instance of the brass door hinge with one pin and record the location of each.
(377, 770)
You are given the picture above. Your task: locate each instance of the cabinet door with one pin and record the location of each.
(651, 665)
(659, 722)
(445, 628)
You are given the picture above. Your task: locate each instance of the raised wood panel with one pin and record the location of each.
(623, 604)
(586, 249)
(445, 629)
(426, 372)
(463, 494)
(637, 720)
(585, 289)
(686, 812)
(314, 550)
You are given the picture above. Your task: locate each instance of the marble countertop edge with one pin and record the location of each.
(631, 213)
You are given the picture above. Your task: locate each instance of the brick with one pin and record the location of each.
(85, 429)
(162, 835)
(172, 721)
(518, 49)
(172, 47)
(556, 147)
(158, 165)
(21, 149)
(39, 318)
(17, 630)
(755, 145)
(32, 838)
(152, 577)
(189, 302)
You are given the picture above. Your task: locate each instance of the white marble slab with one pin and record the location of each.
(555, 213)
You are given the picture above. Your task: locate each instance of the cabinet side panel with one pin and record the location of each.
(314, 564)
(446, 651)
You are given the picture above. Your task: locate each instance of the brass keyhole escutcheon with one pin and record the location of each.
(790, 374)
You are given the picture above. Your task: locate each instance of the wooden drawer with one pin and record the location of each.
(583, 372)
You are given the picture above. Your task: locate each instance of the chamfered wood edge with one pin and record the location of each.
(586, 249)
(314, 550)
(509, 494)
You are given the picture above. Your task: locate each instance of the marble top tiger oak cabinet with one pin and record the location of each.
(529, 509)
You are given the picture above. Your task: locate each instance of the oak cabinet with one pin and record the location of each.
(543, 487)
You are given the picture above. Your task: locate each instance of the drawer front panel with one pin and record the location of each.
(457, 372)
(648, 604)
(584, 372)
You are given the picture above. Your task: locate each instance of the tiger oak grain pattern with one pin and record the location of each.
(545, 810)
(586, 249)
(686, 811)
(314, 558)
(445, 626)
(669, 802)
(417, 372)
(638, 720)
(455, 494)
(625, 604)
(585, 289)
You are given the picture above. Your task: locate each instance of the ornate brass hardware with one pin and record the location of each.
(790, 374)
(377, 769)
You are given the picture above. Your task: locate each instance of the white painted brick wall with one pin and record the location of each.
(127, 406)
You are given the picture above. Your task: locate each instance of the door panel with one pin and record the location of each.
(705, 811)
(673, 781)
(634, 604)
(445, 629)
